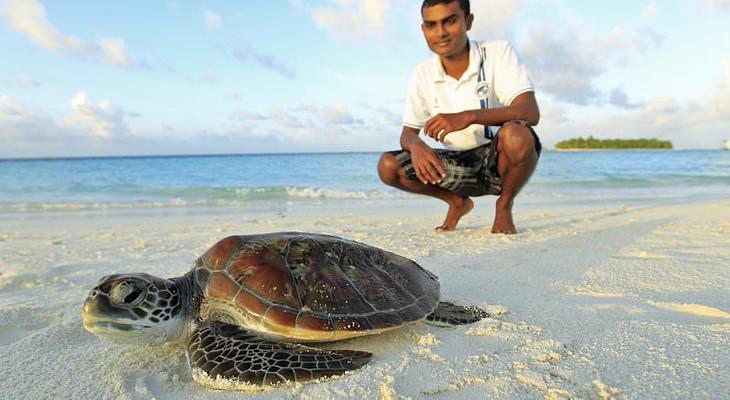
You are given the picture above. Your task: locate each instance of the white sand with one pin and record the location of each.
(589, 301)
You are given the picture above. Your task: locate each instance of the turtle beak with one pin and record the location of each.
(102, 318)
(96, 307)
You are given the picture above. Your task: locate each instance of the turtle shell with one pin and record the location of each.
(312, 287)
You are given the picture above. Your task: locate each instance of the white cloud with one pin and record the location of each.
(364, 20)
(356, 19)
(286, 119)
(113, 51)
(709, 5)
(87, 128)
(649, 12)
(213, 21)
(333, 114)
(9, 110)
(721, 98)
(92, 127)
(367, 19)
(337, 115)
(23, 133)
(311, 127)
(624, 42)
(249, 116)
(270, 62)
(554, 114)
(619, 98)
(29, 18)
(104, 119)
(563, 65)
(664, 118)
(495, 19)
(29, 133)
(22, 81)
(687, 124)
(383, 116)
(208, 76)
(567, 64)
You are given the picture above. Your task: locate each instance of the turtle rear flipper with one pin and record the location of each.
(226, 351)
(449, 314)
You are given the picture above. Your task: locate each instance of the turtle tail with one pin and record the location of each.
(449, 314)
(224, 351)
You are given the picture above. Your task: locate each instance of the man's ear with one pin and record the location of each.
(469, 21)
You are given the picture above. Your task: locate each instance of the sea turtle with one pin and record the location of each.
(249, 302)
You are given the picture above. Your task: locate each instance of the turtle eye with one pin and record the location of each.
(126, 293)
(133, 297)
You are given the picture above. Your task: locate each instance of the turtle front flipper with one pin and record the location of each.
(225, 351)
(448, 314)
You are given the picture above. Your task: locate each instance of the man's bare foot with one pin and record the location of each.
(503, 221)
(456, 211)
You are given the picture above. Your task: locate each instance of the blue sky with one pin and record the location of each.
(189, 77)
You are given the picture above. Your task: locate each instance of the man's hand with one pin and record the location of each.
(443, 124)
(426, 163)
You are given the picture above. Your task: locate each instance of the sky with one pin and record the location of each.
(143, 77)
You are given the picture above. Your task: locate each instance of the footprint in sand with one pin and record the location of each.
(698, 310)
(643, 255)
(514, 355)
(592, 291)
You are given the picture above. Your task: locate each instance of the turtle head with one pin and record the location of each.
(135, 308)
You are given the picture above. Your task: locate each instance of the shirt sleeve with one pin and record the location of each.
(510, 76)
(415, 112)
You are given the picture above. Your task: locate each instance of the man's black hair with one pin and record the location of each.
(464, 4)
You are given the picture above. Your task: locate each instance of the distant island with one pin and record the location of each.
(591, 143)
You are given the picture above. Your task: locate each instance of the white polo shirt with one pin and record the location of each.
(432, 91)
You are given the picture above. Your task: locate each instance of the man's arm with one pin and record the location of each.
(523, 107)
(427, 165)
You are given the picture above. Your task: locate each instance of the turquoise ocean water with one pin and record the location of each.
(241, 180)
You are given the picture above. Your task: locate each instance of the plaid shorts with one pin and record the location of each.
(468, 172)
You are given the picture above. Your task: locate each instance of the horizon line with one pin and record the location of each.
(190, 155)
(181, 155)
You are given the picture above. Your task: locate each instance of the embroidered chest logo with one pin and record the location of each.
(435, 102)
(482, 90)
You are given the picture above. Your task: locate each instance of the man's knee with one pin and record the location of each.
(388, 168)
(516, 141)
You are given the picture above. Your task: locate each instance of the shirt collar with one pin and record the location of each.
(439, 75)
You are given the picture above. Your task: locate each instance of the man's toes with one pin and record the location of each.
(443, 228)
(504, 230)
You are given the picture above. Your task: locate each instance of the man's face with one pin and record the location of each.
(444, 27)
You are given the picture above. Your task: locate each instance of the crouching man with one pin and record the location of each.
(476, 99)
